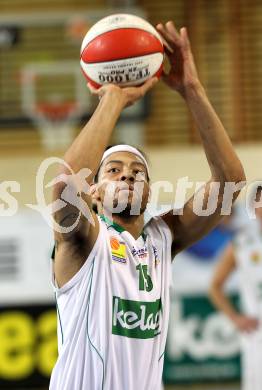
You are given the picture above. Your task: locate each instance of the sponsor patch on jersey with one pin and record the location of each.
(136, 319)
(141, 253)
(157, 259)
(256, 257)
(118, 250)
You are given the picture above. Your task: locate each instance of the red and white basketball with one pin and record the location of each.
(122, 49)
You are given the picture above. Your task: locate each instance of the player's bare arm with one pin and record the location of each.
(224, 269)
(86, 152)
(222, 159)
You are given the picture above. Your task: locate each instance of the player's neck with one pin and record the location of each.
(133, 224)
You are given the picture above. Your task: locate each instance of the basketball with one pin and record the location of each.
(122, 49)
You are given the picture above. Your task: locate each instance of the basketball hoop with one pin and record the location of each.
(55, 111)
(54, 97)
(56, 123)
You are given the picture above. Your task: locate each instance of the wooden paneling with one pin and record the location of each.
(227, 45)
(35, 5)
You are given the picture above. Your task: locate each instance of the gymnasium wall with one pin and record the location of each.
(225, 39)
(226, 44)
(168, 164)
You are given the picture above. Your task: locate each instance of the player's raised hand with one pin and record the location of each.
(182, 74)
(127, 95)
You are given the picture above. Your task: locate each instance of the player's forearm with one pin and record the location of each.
(222, 159)
(222, 303)
(87, 149)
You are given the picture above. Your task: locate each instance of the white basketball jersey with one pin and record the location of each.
(248, 253)
(113, 314)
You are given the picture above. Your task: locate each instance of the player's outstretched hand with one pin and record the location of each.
(182, 74)
(127, 95)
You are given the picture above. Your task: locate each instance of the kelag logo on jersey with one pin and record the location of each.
(136, 319)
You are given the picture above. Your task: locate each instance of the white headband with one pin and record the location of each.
(125, 148)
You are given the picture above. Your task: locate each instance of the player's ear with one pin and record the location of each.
(149, 193)
(94, 192)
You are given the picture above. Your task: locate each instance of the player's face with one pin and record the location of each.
(123, 185)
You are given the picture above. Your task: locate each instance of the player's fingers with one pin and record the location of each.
(165, 34)
(170, 26)
(168, 49)
(185, 38)
(148, 84)
(165, 43)
(159, 26)
(171, 39)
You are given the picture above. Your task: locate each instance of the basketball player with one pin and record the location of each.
(112, 273)
(244, 254)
